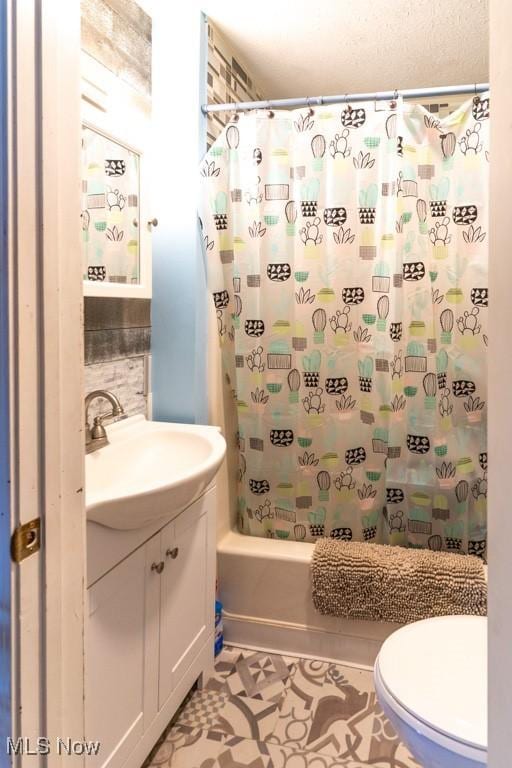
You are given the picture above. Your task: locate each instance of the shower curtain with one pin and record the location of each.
(346, 251)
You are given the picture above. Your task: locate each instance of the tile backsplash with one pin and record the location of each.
(117, 337)
(228, 80)
(125, 378)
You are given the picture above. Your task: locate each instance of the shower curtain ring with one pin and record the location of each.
(308, 104)
(270, 111)
(476, 97)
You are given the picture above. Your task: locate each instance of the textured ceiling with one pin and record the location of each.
(310, 48)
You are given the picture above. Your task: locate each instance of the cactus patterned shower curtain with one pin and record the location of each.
(347, 256)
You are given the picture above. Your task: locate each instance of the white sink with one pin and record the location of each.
(150, 470)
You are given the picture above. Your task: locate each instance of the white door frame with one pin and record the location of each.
(5, 522)
(500, 372)
(46, 379)
(46, 370)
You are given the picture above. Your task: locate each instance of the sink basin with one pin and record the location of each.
(150, 470)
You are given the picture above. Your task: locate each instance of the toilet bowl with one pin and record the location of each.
(431, 682)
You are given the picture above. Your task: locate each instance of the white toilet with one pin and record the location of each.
(431, 682)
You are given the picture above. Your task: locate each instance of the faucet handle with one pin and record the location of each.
(95, 436)
(113, 414)
(98, 431)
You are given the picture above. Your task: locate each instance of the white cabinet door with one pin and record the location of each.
(115, 661)
(185, 610)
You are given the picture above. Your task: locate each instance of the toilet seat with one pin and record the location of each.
(433, 675)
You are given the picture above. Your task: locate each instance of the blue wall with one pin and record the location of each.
(5, 521)
(179, 290)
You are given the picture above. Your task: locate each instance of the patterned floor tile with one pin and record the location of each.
(225, 665)
(244, 753)
(186, 747)
(314, 680)
(262, 710)
(202, 709)
(332, 710)
(254, 674)
(227, 659)
(374, 740)
(247, 718)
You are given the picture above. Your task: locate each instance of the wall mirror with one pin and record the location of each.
(110, 210)
(115, 207)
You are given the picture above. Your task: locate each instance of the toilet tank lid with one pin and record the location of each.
(437, 670)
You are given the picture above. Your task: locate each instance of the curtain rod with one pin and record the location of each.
(310, 101)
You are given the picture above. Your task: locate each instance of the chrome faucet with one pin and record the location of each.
(96, 436)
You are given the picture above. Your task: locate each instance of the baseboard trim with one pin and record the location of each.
(301, 640)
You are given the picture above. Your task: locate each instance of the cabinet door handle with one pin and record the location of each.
(158, 567)
(172, 553)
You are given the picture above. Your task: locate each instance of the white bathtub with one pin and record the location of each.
(264, 585)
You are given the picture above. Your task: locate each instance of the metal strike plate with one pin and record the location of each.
(26, 540)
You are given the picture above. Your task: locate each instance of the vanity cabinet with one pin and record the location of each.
(186, 611)
(149, 634)
(115, 661)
